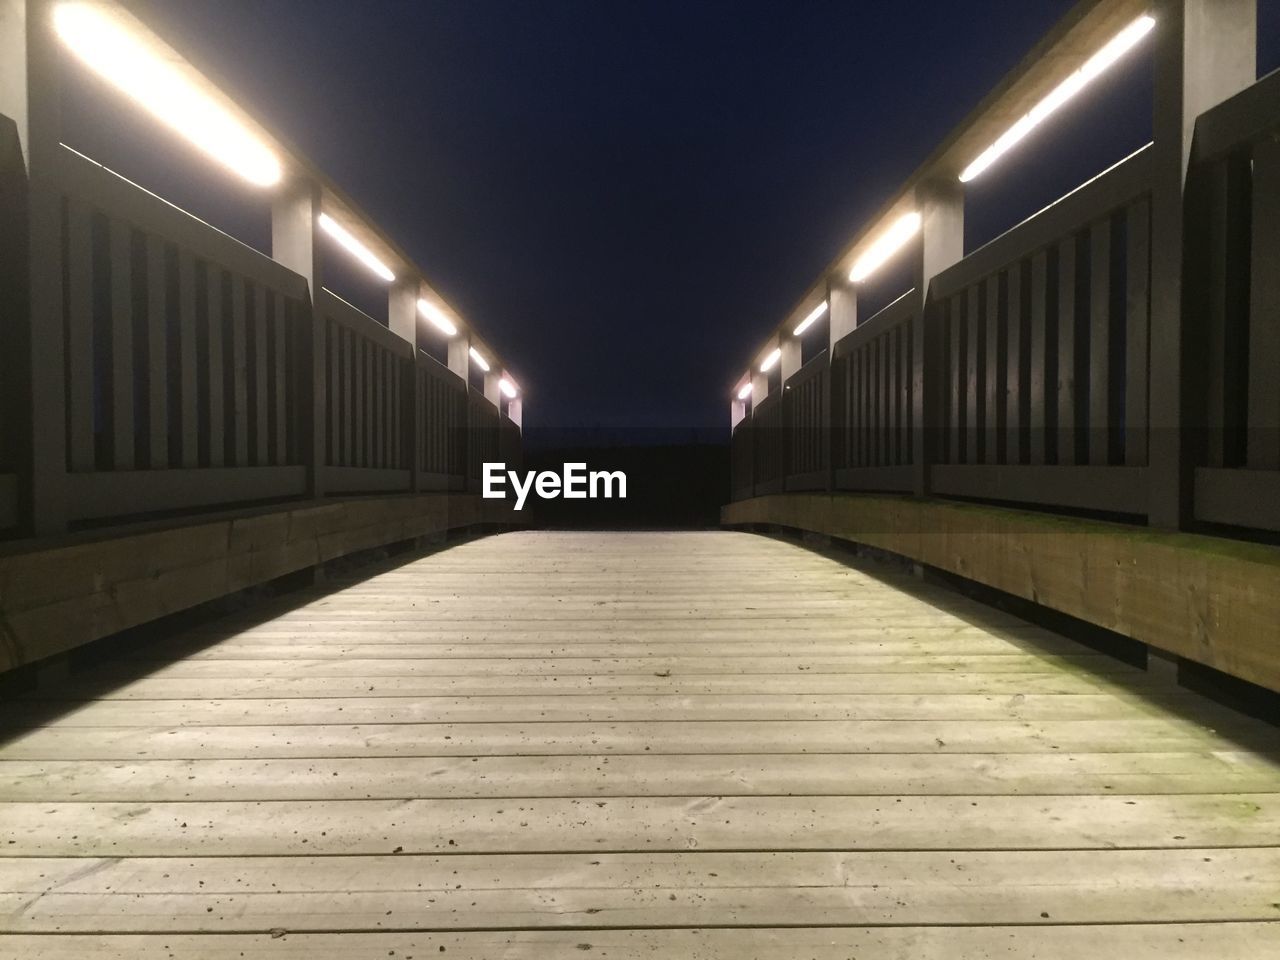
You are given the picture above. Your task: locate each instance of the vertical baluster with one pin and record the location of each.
(1015, 373)
(122, 316)
(79, 337)
(1101, 409)
(993, 373)
(1066, 393)
(188, 432)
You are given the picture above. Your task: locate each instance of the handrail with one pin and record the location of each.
(1079, 34)
(1248, 116)
(298, 169)
(1110, 190)
(896, 312)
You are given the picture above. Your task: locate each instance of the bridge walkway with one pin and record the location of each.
(711, 745)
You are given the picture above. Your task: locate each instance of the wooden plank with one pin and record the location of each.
(1042, 385)
(379, 439)
(1014, 389)
(261, 392)
(1101, 412)
(1113, 489)
(614, 739)
(1263, 432)
(220, 399)
(638, 890)
(81, 376)
(188, 431)
(993, 372)
(1138, 941)
(1067, 321)
(1137, 332)
(150, 491)
(333, 345)
(956, 380)
(239, 380)
(639, 775)
(350, 827)
(121, 404)
(1241, 498)
(157, 355)
(973, 374)
(162, 685)
(282, 356)
(586, 708)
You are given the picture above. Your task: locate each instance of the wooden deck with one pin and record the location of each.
(707, 745)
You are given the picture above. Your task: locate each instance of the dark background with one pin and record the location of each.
(624, 198)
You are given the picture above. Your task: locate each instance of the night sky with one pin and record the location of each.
(624, 197)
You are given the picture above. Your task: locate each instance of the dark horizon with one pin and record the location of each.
(625, 200)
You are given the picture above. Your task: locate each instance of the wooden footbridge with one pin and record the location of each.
(675, 744)
(984, 662)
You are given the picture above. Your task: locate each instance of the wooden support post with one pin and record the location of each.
(29, 84)
(492, 392)
(759, 378)
(842, 319)
(941, 206)
(842, 310)
(791, 360)
(460, 356)
(1205, 52)
(294, 212)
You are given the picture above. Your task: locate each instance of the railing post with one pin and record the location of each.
(1205, 52)
(29, 84)
(295, 209)
(842, 319)
(941, 206)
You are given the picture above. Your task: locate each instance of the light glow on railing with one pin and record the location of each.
(767, 363)
(745, 391)
(811, 319)
(437, 318)
(128, 63)
(508, 388)
(355, 247)
(481, 362)
(889, 243)
(1117, 47)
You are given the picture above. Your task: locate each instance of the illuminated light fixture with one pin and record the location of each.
(437, 318)
(481, 362)
(767, 364)
(1117, 47)
(745, 391)
(508, 388)
(812, 318)
(355, 247)
(890, 242)
(128, 62)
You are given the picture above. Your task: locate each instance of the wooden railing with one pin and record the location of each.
(1034, 372)
(15, 398)
(368, 387)
(871, 402)
(1029, 372)
(182, 353)
(151, 366)
(1040, 340)
(188, 365)
(1234, 272)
